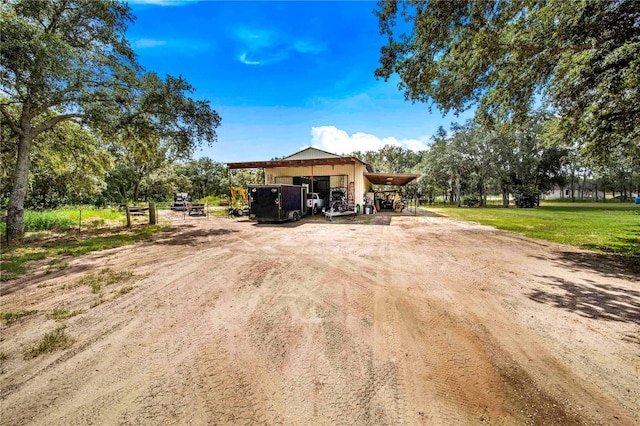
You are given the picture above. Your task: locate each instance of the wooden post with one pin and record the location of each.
(80, 222)
(152, 214)
(126, 207)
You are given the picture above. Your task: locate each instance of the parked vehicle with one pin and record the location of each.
(180, 201)
(315, 202)
(277, 202)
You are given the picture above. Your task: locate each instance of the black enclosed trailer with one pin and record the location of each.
(277, 202)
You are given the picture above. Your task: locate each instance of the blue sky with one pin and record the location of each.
(282, 75)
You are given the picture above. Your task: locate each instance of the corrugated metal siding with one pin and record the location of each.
(284, 179)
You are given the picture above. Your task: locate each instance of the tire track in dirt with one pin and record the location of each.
(318, 324)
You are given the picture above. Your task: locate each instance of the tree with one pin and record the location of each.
(69, 57)
(68, 60)
(582, 57)
(207, 177)
(161, 124)
(68, 166)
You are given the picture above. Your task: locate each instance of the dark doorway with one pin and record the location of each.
(320, 184)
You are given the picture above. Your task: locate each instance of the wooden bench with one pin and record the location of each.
(138, 211)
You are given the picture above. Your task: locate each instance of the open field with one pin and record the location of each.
(606, 227)
(373, 320)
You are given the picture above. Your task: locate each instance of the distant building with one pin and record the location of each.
(581, 191)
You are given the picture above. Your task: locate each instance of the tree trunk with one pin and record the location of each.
(505, 196)
(15, 210)
(136, 190)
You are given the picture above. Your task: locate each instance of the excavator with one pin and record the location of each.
(236, 195)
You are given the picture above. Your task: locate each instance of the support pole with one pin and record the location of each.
(152, 214)
(126, 207)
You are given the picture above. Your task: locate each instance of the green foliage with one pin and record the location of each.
(605, 227)
(64, 62)
(68, 218)
(583, 57)
(526, 197)
(60, 314)
(11, 317)
(160, 125)
(56, 340)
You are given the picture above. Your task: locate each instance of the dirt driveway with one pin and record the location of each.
(413, 320)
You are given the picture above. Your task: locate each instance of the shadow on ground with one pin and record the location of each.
(192, 237)
(608, 265)
(591, 300)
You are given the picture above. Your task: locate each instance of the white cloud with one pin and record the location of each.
(337, 141)
(244, 60)
(265, 46)
(146, 43)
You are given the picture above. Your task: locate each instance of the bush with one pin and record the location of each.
(526, 198)
(471, 202)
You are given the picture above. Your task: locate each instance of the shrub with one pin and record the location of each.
(526, 197)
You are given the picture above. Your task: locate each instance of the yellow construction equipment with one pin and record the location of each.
(235, 193)
(238, 191)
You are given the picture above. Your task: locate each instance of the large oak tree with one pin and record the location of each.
(69, 60)
(582, 57)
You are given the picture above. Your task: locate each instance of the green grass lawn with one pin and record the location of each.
(605, 227)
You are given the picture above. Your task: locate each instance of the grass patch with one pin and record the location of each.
(97, 301)
(11, 317)
(604, 227)
(60, 314)
(15, 260)
(50, 342)
(68, 218)
(123, 290)
(104, 277)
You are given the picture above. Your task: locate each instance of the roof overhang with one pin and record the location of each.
(393, 179)
(292, 163)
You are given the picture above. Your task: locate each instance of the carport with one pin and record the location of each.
(386, 199)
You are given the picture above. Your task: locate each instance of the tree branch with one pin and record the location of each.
(10, 120)
(49, 124)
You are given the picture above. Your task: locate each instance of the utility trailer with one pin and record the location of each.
(277, 202)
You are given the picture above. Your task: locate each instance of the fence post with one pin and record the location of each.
(80, 222)
(152, 214)
(126, 207)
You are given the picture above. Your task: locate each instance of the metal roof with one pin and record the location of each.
(293, 163)
(394, 179)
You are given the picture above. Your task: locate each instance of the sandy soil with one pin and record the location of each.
(410, 320)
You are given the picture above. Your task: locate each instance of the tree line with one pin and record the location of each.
(578, 60)
(469, 162)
